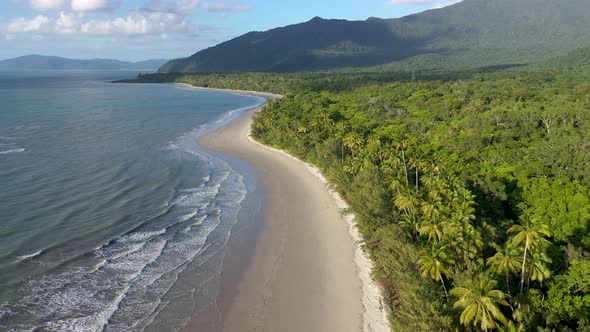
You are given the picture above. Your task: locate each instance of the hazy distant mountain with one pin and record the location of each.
(41, 62)
(576, 58)
(473, 33)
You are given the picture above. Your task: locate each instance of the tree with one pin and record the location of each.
(417, 165)
(353, 142)
(538, 269)
(480, 301)
(506, 260)
(408, 204)
(435, 262)
(569, 294)
(531, 235)
(401, 146)
(432, 223)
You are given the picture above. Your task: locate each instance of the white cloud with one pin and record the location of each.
(428, 3)
(90, 5)
(135, 24)
(223, 7)
(74, 5)
(139, 24)
(185, 7)
(46, 5)
(66, 23)
(80, 17)
(39, 24)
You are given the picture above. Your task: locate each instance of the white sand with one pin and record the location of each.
(308, 272)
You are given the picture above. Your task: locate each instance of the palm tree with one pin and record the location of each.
(302, 129)
(435, 262)
(406, 202)
(480, 301)
(506, 261)
(434, 229)
(432, 224)
(353, 142)
(411, 223)
(436, 167)
(417, 165)
(269, 123)
(374, 150)
(340, 129)
(530, 234)
(401, 146)
(538, 269)
(396, 185)
(513, 327)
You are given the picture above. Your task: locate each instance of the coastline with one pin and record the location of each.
(339, 293)
(266, 95)
(375, 312)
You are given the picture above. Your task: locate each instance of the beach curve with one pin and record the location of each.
(308, 271)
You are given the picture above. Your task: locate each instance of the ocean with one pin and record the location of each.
(112, 218)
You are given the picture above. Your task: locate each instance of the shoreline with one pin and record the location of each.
(266, 95)
(364, 312)
(375, 313)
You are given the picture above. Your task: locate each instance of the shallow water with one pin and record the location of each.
(107, 202)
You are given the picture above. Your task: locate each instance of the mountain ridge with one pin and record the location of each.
(45, 62)
(469, 34)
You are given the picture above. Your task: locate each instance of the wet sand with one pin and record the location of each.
(302, 274)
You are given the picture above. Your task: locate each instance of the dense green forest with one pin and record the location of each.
(469, 34)
(473, 195)
(471, 189)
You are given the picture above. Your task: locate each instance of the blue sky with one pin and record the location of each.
(147, 29)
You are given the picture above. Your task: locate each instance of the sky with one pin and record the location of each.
(165, 29)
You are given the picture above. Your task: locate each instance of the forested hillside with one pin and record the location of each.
(470, 34)
(577, 58)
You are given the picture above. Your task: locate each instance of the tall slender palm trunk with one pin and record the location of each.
(526, 247)
(444, 287)
(405, 167)
(507, 283)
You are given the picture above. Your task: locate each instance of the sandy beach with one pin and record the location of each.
(302, 276)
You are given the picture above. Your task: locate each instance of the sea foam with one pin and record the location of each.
(29, 256)
(13, 151)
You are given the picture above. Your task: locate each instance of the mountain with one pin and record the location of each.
(149, 64)
(41, 62)
(573, 59)
(469, 34)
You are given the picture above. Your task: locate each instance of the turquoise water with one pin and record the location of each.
(106, 200)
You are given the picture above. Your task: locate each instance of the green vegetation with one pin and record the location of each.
(576, 58)
(470, 34)
(473, 195)
(346, 48)
(470, 188)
